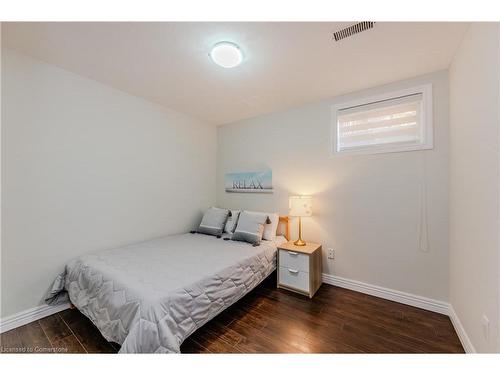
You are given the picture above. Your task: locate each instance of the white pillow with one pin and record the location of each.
(270, 229)
(232, 221)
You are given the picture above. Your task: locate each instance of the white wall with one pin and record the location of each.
(87, 167)
(367, 207)
(474, 184)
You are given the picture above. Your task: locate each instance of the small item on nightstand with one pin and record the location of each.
(300, 206)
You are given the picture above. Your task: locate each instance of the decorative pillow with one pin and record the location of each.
(231, 222)
(269, 227)
(213, 221)
(250, 227)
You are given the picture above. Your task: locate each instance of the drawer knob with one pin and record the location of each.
(292, 253)
(293, 271)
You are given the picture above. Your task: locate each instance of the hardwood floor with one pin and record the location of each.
(270, 320)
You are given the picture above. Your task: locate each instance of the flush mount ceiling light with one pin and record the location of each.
(226, 54)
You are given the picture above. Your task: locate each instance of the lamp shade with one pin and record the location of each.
(300, 205)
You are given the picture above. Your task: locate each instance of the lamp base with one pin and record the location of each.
(300, 242)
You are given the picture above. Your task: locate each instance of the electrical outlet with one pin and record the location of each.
(486, 327)
(331, 253)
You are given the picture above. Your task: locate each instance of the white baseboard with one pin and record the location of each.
(462, 335)
(390, 294)
(30, 315)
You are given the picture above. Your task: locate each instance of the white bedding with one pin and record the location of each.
(149, 297)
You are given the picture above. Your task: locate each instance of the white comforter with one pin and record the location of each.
(149, 297)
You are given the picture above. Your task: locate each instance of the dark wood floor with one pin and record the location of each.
(269, 320)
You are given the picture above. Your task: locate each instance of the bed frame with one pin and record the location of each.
(284, 222)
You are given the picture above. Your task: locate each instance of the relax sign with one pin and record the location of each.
(249, 182)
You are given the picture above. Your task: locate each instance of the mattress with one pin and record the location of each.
(149, 297)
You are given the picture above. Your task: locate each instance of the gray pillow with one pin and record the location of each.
(231, 222)
(250, 227)
(213, 221)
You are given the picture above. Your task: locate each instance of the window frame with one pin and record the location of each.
(427, 128)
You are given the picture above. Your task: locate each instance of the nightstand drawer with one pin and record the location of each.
(294, 278)
(294, 260)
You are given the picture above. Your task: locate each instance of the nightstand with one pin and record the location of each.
(300, 268)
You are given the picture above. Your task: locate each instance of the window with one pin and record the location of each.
(399, 121)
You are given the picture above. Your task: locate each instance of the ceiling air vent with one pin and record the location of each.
(351, 30)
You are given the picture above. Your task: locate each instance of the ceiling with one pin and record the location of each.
(285, 64)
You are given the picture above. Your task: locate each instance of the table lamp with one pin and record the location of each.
(300, 206)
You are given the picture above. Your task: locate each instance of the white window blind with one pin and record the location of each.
(396, 123)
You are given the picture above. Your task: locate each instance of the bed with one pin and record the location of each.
(149, 297)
